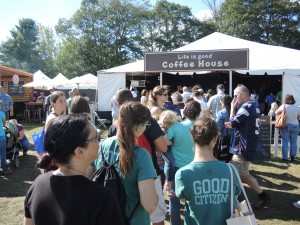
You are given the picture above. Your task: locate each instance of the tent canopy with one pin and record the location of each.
(87, 81)
(39, 75)
(273, 60)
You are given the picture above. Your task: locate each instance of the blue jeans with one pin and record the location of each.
(289, 134)
(169, 167)
(175, 218)
(3, 155)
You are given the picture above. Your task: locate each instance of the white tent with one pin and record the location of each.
(273, 60)
(59, 79)
(40, 81)
(39, 75)
(87, 81)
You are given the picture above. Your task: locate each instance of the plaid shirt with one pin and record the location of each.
(214, 104)
(6, 102)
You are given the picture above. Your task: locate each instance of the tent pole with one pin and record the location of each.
(230, 83)
(160, 79)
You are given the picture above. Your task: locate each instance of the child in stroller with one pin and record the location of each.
(13, 146)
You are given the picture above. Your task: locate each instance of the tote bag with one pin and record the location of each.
(281, 119)
(38, 139)
(248, 219)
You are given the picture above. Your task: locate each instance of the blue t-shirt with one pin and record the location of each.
(182, 143)
(142, 169)
(2, 133)
(222, 117)
(246, 130)
(206, 187)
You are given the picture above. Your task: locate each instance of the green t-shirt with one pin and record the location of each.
(142, 169)
(182, 143)
(206, 188)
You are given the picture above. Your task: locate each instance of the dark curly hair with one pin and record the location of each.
(192, 109)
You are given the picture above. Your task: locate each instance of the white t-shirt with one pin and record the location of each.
(292, 111)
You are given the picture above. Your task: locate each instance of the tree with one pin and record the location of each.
(169, 26)
(103, 32)
(48, 49)
(275, 22)
(20, 51)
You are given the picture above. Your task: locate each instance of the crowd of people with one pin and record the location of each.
(162, 141)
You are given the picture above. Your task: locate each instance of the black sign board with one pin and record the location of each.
(197, 60)
(16, 89)
(264, 138)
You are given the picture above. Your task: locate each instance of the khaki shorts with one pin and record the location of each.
(159, 213)
(241, 164)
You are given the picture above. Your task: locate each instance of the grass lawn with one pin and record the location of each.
(281, 180)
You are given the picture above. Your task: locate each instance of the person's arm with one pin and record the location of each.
(279, 110)
(161, 144)
(11, 107)
(148, 196)
(27, 221)
(21, 134)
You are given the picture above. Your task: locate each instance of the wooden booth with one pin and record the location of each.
(13, 80)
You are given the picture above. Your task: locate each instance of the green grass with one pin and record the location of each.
(280, 180)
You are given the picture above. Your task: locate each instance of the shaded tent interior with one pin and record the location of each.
(269, 83)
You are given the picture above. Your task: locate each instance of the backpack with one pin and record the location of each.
(107, 176)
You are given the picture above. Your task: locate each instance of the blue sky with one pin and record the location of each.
(47, 12)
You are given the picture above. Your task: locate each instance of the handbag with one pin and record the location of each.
(247, 218)
(280, 122)
(222, 147)
(38, 139)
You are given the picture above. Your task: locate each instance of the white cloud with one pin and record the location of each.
(203, 14)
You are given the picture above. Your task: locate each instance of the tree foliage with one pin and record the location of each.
(48, 51)
(275, 22)
(20, 51)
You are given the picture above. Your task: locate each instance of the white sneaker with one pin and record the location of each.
(297, 204)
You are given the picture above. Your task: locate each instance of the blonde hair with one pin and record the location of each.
(168, 118)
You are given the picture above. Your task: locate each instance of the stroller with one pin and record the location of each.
(13, 145)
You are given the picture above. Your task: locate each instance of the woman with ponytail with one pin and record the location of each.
(205, 182)
(135, 165)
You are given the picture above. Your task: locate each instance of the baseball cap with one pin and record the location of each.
(220, 86)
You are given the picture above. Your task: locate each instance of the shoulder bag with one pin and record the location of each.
(281, 119)
(247, 216)
(222, 147)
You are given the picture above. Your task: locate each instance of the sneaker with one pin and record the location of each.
(8, 171)
(292, 158)
(262, 202)
(297, 204)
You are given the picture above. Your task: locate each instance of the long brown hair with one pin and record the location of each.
(130, 114)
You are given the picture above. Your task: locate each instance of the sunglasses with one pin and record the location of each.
(164, 94)
(148, 124)
(97, 138)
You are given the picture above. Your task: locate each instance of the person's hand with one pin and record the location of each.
(11, 113)
(227, 125)
(234, 103)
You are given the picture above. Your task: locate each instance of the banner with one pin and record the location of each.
(197, 60)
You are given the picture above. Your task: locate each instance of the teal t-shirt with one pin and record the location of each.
(182, 143)
(142, 169)
(206, 188)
